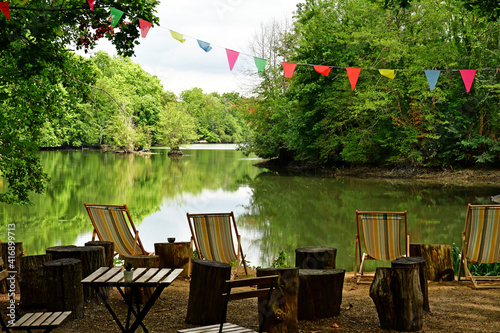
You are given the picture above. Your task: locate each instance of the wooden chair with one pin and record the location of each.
(267, 284)
(212, 237)
(113, 223)
(30, 321)
(381, 236)
(480, 242)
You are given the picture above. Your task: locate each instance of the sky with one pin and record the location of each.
(222, 23)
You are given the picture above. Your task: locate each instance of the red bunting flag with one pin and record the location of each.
(145, 26)
(232, 56)
(4, 8)
(91, 4)
(468, 77)
(323, 70)
(353, 74)
(289, 68)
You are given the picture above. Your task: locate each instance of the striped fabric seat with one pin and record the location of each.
(110, 224)
(480, 240)
(212, 236)
(380, 233)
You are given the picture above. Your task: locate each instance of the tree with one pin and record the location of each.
(175, 126)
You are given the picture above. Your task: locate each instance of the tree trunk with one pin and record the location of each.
(315, 257)
(284, 300)
(175, 255)
(142, 294)
(31, 281)
(206, 303)
(63, 286)
(419, 263)
(109, 251)
(438, 260)
(12, 261)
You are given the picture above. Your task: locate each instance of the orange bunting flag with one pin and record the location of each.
(232, 56)
(353, 74)
(387, 73)
(289, 68)
(468, 76)
(4, 8)
(177, 36)
(323, 70)
(91, 4)
(145, 26)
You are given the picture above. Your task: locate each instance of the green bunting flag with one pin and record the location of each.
(260, 63)
(116, 15)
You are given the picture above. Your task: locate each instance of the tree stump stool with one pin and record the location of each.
(109, 251)
(64, 291)
(438, 260)
(91, 257)
(144, 293)
(175, 255)
(31, 281)
(206, 303)
(284, 300)
(11, 255)
(315, 257)
(419, 262)
(398, 298)
(320, 293)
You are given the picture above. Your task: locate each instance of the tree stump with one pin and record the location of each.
(438, 260)
(398, 298)
(144, 293)
(206, 303)
(63, 285)
(320, 293)
(284, 300)
(419, 262)
(315, 257)
(11, 255)
(31, 281)
(91, 257)
(175, 255)
(109, 251)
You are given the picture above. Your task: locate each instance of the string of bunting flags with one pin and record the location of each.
(432, 76)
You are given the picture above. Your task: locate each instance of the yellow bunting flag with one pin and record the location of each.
(388, 73)
(177, 36)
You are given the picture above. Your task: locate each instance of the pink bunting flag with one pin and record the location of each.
(323, 70)
(4, 8)
(145, 26)
(289, 68)
(232, 56)
(91, 4)
(353, 74)
(468, 76)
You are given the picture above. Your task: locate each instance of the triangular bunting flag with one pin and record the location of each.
(4, 8)
(323, 70)
(204, 45)
(432, 77)
(145, 26)
(178, 36)
(91, 4)
(387, 73)
(353, 74)
(116, 15)
(468, 77)
(232, 56)
(289, 68)
(260, 63)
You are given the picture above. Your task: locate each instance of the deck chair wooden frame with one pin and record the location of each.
(480, 242)
(380, 233)
(113, 223)
(265, 285)
(46, 321)
(212, 237)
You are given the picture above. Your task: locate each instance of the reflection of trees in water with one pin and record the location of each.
(293, 211)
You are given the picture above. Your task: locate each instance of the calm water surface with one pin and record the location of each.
(274, 212)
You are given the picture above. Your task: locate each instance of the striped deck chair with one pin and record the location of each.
(480, 242)
(381, 235)
(110, 224)
(212, 237)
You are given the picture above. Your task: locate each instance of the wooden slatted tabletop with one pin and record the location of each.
(143, 277)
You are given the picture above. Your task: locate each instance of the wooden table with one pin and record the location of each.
(155, 278)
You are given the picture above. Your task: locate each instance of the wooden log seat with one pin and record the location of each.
(315, 257)
(438, 260)
(320, 293)
(398, 298)
(31, 281)
(11, 255)
(175, 255)
(63, 285)
(142, 294)
(109, 251)
(206, 303)
(419, 263)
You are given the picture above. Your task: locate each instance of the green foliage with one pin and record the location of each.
(175, 126)
(476, 269)
(128, 265)
(280, 260)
